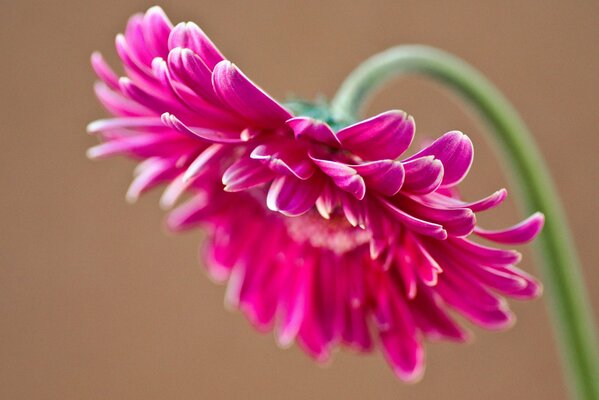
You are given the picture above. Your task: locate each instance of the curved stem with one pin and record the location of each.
(572, 317)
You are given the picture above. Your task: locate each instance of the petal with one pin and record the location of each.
(156, 29)
(247, 99)
(246, 173)
(190, 36)
(145, 123)
(487, 203)
(103, 71)
(154, 172)
(209, 155)
(117, 104)
(327, 201)
(484, 254)
(190, 68)
(211, 135)
(523, 232)
(285, 158)
(343, 176)
(150, 100)
(456, 221)
(455, 151)
(417, 225)
(386, 135)
(401, 346)
(423, 175)
(475, 303)
(384, 176)
(310, 128)
(189, 214)
(431, 317)
(292, 196)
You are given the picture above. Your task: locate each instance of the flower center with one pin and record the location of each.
(335, 234)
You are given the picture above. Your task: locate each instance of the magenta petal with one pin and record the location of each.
(209, 155)
(401, 345)
(455, 151)
(343, 176)
(117, 104)
(156, 29)
(305, 127)
(384, 176)
(190, 68)
(488, 202)
(103, 71)
(247, 99)
(456, 221)
(386, 135)
(246, 173)
(433, 319)
(485, 254)
(532, 288)
(417, 225)
(327, 201)
(523, 232)
(285, 158)
(423, 175)
(153, 171)
(139, 50)
(102, 125)
(190, 36)
(189, 214)
(210, 135)
(292, 196)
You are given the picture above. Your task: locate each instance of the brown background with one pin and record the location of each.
(96, 302)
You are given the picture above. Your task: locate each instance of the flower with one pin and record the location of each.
(319, 227)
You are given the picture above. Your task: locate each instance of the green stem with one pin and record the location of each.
(572, 317)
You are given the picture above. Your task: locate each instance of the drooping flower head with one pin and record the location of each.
(322, 230)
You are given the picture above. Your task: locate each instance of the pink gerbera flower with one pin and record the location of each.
(321, 229)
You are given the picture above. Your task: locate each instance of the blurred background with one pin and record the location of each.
(98, 302)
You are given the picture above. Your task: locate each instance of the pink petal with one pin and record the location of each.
(455, 151)
(433, 319)
(386, 135)
(156, 29)
(155, 171)
(384, 176)
(145, 123)
(190, 36)
(189, 214)
(285, 158)
(247, 99)
(487, 203)
(245, 174)
(401, 346)
(309, 128)
(190, 68)
(456, 221)
(292, 196)
(484, 254)
(209, 155)
(117, 104)
(417, 225)
(523, 232)
(327, 201)
(423, 175)
(466, 301)
(104, 72)
(211, 135)
(343, 176)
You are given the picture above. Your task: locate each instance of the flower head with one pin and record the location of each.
(322, 230)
